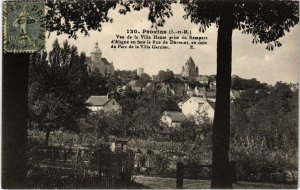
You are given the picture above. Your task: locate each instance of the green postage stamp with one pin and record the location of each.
(24, 26)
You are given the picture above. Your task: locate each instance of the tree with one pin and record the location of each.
(54, 54)
(47, 109)
(161, 75)
(144, 79)
(193, 83)
(265, 20)
(268, 127)
(246, 84)
(166, 76)
(57, 91)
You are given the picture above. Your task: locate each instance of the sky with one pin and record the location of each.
(248, 60)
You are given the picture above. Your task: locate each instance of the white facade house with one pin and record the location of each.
(194, 106)
(208, 110)
(97, 103)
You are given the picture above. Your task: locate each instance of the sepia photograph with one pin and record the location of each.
(150, 94)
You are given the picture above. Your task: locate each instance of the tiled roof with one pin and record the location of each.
(104, 60)
(196, 99)
(190, 61)
(212, 104)
(210, 94)
(97, 100)
(175, 116)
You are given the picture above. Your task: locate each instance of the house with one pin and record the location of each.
(179, 88)
(136, 86)
(194, 106)
(180, 105)
(138, 89)
(199, 91)
(165, 88)
(208, 109)
(117, 144)
(210, 94)
(202, 79)
(205, 93)
(213, 85)
(172, 118)
(190, 92)
(134, 83)
(97, 103)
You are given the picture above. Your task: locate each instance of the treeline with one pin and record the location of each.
(58, 86)
(264, 130)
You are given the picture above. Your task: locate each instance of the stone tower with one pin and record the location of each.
(96, 53)
(190, 69)
(140, 71)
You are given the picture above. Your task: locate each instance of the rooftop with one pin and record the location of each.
(202, 78)
(190, 61)
(175, 116)
(97, 100)
(212, 104)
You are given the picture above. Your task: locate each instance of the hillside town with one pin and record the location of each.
(81, 103)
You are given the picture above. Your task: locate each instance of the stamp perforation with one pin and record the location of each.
(30, 45)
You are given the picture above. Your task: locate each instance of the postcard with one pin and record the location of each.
(150, 94)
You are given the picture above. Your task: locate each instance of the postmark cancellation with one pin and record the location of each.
(24, 26)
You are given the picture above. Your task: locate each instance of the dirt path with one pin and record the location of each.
(170, 183)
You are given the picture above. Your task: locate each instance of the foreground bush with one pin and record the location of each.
(256, 162)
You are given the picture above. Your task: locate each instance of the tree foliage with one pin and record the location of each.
(270, 118)
(266, 20)
(246, 84)
(57, 89)
(264, 135)
(166, 76)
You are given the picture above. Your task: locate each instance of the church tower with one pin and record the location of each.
(96, 53)
(97, 63)
(189, 69)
